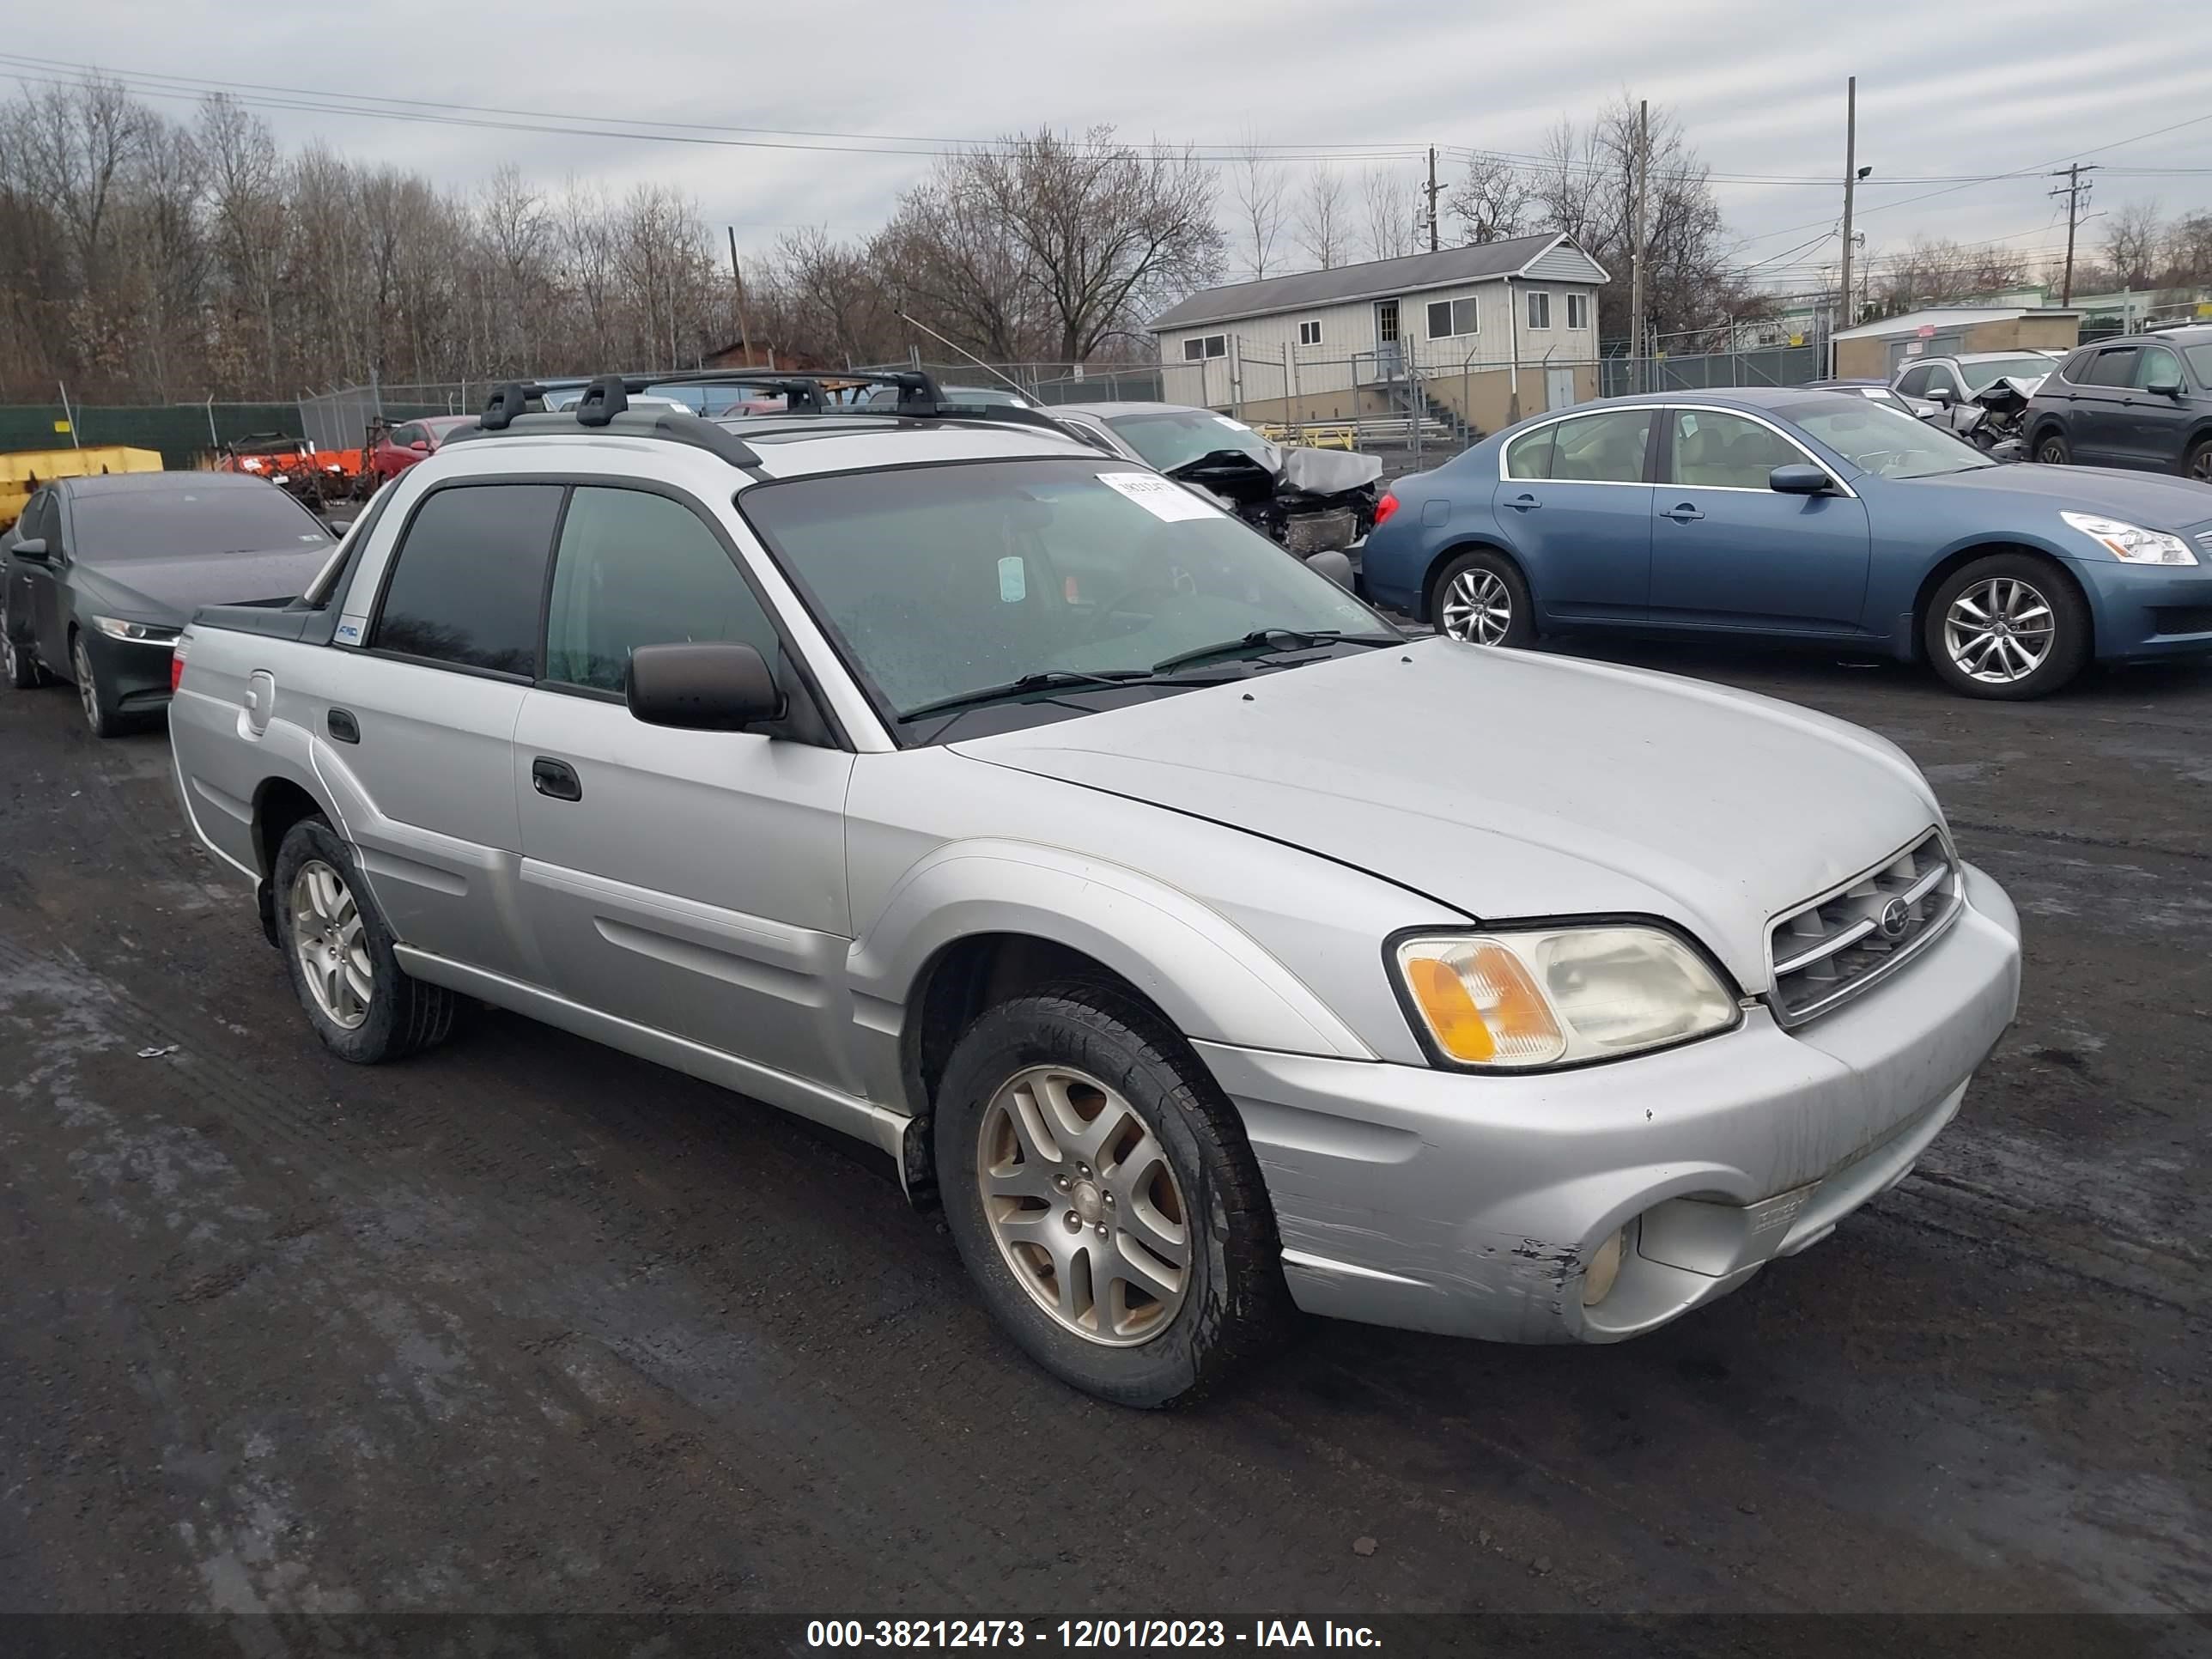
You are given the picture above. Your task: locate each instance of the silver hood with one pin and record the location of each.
(1510, 785)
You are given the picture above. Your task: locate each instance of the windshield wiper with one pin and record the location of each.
(1050, 680)
(1294, 637)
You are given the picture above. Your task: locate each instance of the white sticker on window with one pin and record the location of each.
(1161, 497)
(1013, 580)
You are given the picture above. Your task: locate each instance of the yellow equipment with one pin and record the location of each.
(25, 470)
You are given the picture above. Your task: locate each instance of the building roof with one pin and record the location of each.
(1944, 317)
(1377, 279)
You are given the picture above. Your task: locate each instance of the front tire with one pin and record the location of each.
(1104, 1199)
(100, 714)
(1481, 598)
(338, 951)
(2198, 464)
(2052, 449)
(2009, 626)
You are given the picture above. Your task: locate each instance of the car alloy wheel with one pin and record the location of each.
(330, 938)
(1999, 631)
(2200, 463)
(1478, 607)
(1084, 1206)
(2053, 452)
(88, 689)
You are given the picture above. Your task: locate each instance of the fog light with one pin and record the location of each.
(1604, 1267)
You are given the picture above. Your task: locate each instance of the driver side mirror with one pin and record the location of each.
(1940, 395)
(1798, 478)
(32, 548)
(420, 443)
(2166, 389)
(705, 685)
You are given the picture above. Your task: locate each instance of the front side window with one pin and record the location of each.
(1914, 383)
(939, 581)
(2200, 359)
(2114, 367)
(636, 569)
(1606, 449)
(468, 575)
(1715, 451)
(403, 437)
(1942, 378)
(1539, 309)
(2156, 366)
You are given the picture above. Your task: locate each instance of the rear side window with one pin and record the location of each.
(468, 578)
(1605, 448)
(636, 569)
(2113, 368)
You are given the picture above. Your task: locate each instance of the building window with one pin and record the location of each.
(1450, 316)
(1309, 333)
(1201, 347)
(1579, 311)
(1540, 309)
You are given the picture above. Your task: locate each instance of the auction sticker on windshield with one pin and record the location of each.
(1156, 495)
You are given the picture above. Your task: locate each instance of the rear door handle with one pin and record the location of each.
(555, 779)
(1524, 503)
(1683, 513)
(343, 726)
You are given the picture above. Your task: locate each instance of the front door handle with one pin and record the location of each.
(555, 779)
(1683, 514)
(1524, 503)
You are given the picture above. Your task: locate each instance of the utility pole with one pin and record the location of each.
(1635, 247)
(1843, 317)
(2075, 187)
(737, 282)
(1432, 199)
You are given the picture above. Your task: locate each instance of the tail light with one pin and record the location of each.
(176, 660)
(1384, 508)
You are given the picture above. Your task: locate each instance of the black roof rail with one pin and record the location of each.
(604, 408)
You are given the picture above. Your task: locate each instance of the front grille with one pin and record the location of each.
(1840, 945)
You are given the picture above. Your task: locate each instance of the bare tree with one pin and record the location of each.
(1261, 187)
(1324, 225)
(1491, 201)
(958, 261)
(2132, 245)
(243, 181)
(2188, 251)
(1931, 271)
(1390, 213)
(1110, 232)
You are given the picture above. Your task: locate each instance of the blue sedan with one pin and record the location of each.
(1800, 514)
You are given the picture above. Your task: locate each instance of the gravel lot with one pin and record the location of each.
(526, 1325)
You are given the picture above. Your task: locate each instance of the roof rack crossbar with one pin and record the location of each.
(604, 409)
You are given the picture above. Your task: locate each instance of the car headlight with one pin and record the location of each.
(137, 632)
(1559, 996)
(2131, 542)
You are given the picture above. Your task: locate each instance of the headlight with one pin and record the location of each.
(1511, 1001)
(137, 633)
(2131, 542)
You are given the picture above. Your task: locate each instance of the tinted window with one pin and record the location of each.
(469, 577)
(1942, 375)
(2076, 367)
(2113, 368)
(1728, 451)
(2200, 359)
(1914, 383)
(1529, 456)
(189, 520)
(1605, 448)
(2156, 366)
(633, 569)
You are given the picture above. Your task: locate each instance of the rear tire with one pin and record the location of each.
(1482, 598)
(338, 951)
(2052, 450)
(2009, 626)
(100, 714)
(1170, 1185)
(19, 662)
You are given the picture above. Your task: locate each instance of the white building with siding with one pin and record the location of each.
(1496, 330)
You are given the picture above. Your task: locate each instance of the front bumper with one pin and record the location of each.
(1440, 1201)
(136, 673)
(2150, 612)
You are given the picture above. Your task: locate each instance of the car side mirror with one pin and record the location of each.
(420, 443)
(1798, 478)
(32, 548)
(708, 686)
(2166, 389)
(1940, 394)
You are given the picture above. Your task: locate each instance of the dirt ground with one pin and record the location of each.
(526, 1326)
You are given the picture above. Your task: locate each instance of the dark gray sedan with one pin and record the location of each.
(104, 573)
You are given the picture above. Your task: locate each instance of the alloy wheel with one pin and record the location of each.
(2053, 454)
(332, 944)
(87, 694)
(1478, 607)
(1999, 631)
(2200, 465)
(1084, 1206)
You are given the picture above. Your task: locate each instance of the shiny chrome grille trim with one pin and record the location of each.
(1823, 953)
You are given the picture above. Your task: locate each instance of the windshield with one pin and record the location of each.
(190, 522)
(1979, 375)
(1170, 438)
(1886, 440)
(941, 581)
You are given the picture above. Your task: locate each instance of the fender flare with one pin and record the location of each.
(1212, 980)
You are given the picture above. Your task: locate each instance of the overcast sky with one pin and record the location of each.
(1944, 91)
